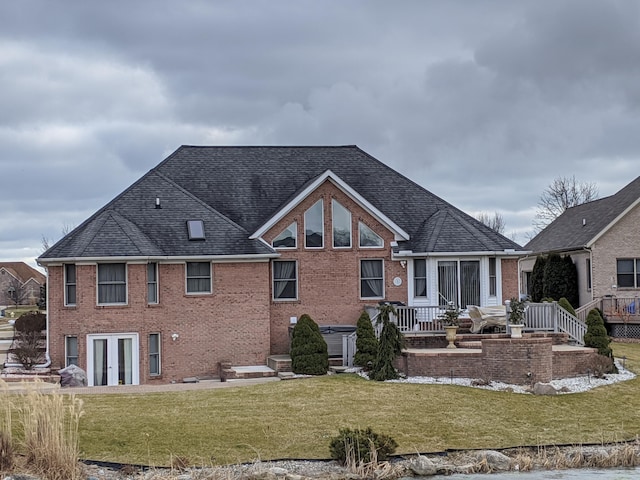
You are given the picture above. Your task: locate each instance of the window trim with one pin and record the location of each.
(321, 202)
(416, 278)
(66, 350)
(334, 202)
(493, 277)
(186, 278)
(68, 284)
(153, 283)
(157, 354)
(635, 273)
(126, 284)
(381, 260)
(589, 279)
(273, 281)
(360, 224)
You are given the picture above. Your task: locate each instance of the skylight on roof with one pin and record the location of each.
(195, 229)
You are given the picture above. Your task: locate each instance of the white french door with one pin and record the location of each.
(113, 359)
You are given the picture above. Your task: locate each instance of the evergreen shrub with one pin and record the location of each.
(309, 354)
(564, 303)
(366, 342)
(389, 347)
(596, 337)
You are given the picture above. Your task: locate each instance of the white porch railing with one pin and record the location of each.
(552, 317)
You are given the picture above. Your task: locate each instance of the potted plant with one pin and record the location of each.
(516, 309)
(450, 319)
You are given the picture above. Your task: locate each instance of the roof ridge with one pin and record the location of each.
(118, 217)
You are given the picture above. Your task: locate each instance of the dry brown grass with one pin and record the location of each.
(48, 428)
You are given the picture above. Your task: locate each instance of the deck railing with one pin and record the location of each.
(419, 319)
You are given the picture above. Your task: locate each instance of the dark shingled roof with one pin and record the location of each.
(23, 272)
(236, 190)
(578, 225)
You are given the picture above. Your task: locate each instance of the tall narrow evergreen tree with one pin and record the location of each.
(553, 279)
(389, 347)
(366, 342)
(537, 279)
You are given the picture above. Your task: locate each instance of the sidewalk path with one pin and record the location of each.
(138, 389)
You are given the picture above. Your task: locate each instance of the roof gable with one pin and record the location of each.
(580, 226)
(305, 191)
(22, 272)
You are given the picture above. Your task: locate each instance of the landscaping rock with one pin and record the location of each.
(72, 376)
(423, 466)
(496, 461)
(544, 389)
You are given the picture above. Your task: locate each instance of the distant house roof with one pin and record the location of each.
(23, 272)
(236, 191)
(578, 227)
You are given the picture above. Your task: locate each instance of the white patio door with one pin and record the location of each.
(112, 359)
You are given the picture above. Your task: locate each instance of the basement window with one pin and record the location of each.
(195, 229)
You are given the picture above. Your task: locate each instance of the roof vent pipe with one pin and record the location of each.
(584, 222)
(158, 202)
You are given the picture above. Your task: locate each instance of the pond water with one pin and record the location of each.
(574, 474)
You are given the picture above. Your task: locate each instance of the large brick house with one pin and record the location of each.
(212, 254)
(601, 237)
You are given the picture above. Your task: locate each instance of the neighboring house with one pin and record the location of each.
(19, 281)
(602, 239)
(211, 256)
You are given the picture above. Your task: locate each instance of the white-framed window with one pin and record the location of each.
(369, 238)
(154, 354)
(198, 277)
(152, 282)
(71, 350)
(588, 267)
(69, 284)
(314, 225)
(341, 225)
(493, 277)
(372, 278)
(285, 280)
(628, 272)
(112, 283)
(459, 282)
(288, 238)
(420, 277)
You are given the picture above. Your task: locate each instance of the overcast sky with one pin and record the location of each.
(483, 103)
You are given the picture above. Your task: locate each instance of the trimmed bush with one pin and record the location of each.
(366, 343)
(596, 337)
(564, 303)
(309, 354)
(357, 446)
(31, 322)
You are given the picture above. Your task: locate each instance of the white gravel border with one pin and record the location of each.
(563, 386)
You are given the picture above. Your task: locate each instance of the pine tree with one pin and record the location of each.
(366, 342)
(309, 354)
(596, 336)
(389, 347)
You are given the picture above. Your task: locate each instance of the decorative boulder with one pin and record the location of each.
(73, 376)
(423, 466)
(544, 389)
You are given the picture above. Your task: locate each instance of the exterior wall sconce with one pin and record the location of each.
(403, 263)
(175, 337)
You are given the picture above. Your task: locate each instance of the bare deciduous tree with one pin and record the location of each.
(16, 292)
(495, 222)
(563, 193)
(47, 243)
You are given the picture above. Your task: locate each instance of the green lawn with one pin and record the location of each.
(297, 418)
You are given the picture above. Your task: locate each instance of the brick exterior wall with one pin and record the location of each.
(329, 278)
(230, 324)
(619, 242)
(509, 278)
(519, 361)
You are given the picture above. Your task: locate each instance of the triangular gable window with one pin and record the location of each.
(369, 238)
(288, 237)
